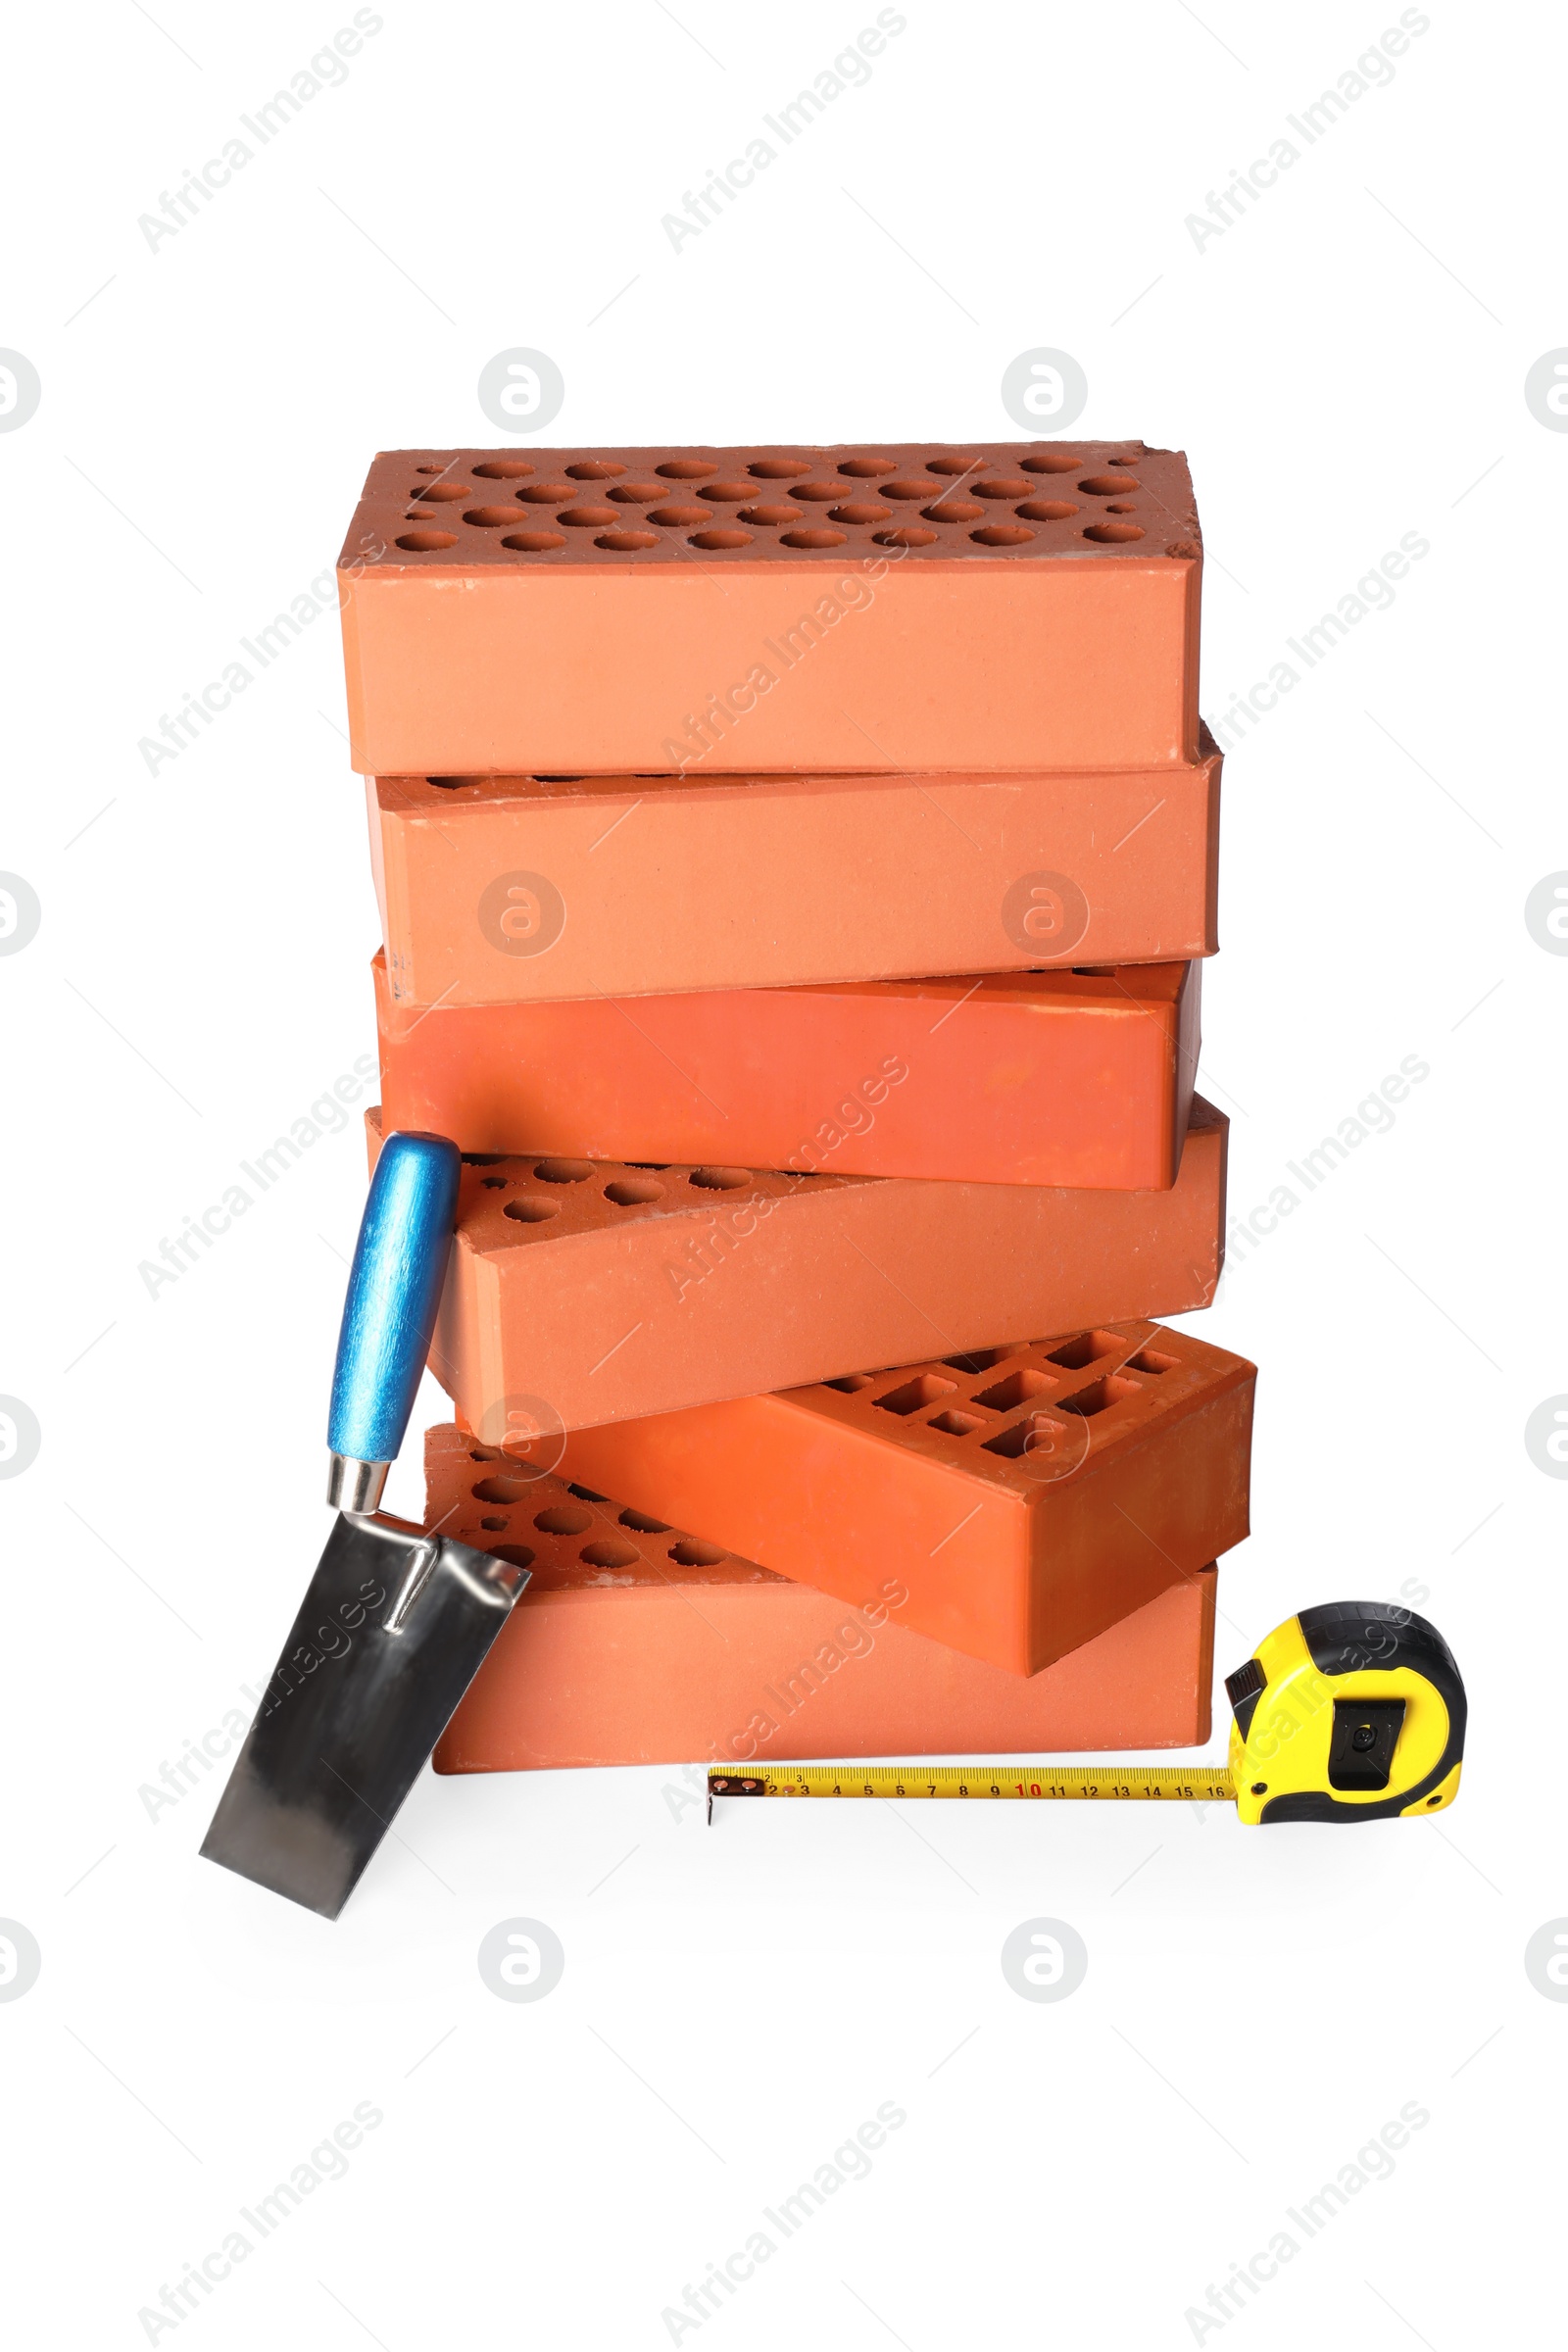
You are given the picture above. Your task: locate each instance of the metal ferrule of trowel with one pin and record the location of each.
(398, 1619)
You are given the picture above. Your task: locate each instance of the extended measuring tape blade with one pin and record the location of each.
(1112, 1784)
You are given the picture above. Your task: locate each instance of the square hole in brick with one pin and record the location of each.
(1035, 1429)
(1087, 1348)
(1098, 1396)
(925, 1388)
(954, 1424)
(981, 1360)
(1148, 1359)
(1017, 1389)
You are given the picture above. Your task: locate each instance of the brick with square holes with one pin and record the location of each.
(516, 889)
(635, 1643)
(1005, 606)
(1028, 1496)
(601, 1290)
(1063, 1078)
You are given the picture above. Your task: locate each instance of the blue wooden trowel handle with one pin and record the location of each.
(400, 1264)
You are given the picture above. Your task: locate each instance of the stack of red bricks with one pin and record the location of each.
(795, 867)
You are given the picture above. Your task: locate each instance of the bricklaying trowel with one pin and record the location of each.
(397, 1620)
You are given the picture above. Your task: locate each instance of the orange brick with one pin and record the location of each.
(515, 888)
(637, 1645)
(582, 1292)
(1012, 604)
(1027, 1497)
(1070, 1078)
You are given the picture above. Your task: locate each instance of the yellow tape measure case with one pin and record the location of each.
(1353, 1711)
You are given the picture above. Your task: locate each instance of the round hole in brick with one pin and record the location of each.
(564, 1171)
(1113, 534)
(494, 1184)
(954, 509)
(642, 1524)
(689, 1554)
(952, 464)
(818, 494)
(1002, 534)
(772, 516)
(811, 539)
(427, 543)
(441, 494)
(632, 1192)
(778, 469)
(544, 494)
(535, 543)
(1001, 485)
(725, 494)
(719, 1180)
(1051, 461)
(1048, 510)
(457, 784)
(861, 511)
(717, 539)
(437, 470)
(563, 1519)
(608, 1555)
(626, 543)
(502, 1489)
(1115, 509)
(594, 469)
(907, 534)
(903, 488)
(867, 469)
(494, 519)
(686, 469)
(1106, 485)
(636, 494)
(531, 1210)
(475, 1159)
(587, 518)
(676, 518)
(495, 1527)
(501, 470)
(515, 1555)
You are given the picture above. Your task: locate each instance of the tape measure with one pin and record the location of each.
(1350, 1712)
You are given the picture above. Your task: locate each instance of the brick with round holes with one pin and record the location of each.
(870, 607)
(605, 1291)
(1058, 1078)
(1027, 1496)
(517, 889)
(635, 1643)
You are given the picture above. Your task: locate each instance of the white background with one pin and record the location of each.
(1344, 364)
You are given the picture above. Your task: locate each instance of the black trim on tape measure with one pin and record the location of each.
(1243, 1689)
(1359, 1636)
(1362, 1742)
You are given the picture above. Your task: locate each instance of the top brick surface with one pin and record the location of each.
(1002, 606)
(987, 502)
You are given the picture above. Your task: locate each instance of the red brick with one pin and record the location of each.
(1059, 1078)
(637, 1645)
(609, 1290)
(1027, 1496)
(504, 611)
(650, 885)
